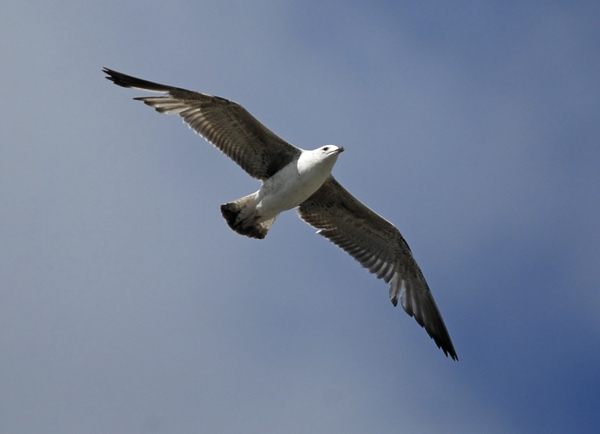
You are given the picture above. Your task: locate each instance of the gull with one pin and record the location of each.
(296, 178)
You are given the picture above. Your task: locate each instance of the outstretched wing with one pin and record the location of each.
(225, 124)
(379, 247)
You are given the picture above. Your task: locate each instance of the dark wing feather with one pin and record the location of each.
(379, 247)
(225, 124)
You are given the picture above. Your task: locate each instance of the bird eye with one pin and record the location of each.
(326, 148)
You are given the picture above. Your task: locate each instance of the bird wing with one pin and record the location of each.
(378, 246)
(225, 124)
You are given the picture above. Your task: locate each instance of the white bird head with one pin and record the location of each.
(321, 159)
(327, 154)
(331, 149)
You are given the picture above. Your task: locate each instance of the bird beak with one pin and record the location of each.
(340, 149)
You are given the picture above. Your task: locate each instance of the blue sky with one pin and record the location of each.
(128, 305)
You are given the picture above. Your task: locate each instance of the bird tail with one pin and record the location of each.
(241, 216)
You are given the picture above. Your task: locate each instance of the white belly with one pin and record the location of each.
(288, 188)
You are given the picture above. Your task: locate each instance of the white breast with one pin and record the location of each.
(295, 183)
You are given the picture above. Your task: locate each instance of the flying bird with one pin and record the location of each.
(292, 177)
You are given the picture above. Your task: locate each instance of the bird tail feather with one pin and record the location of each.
(241, 216)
